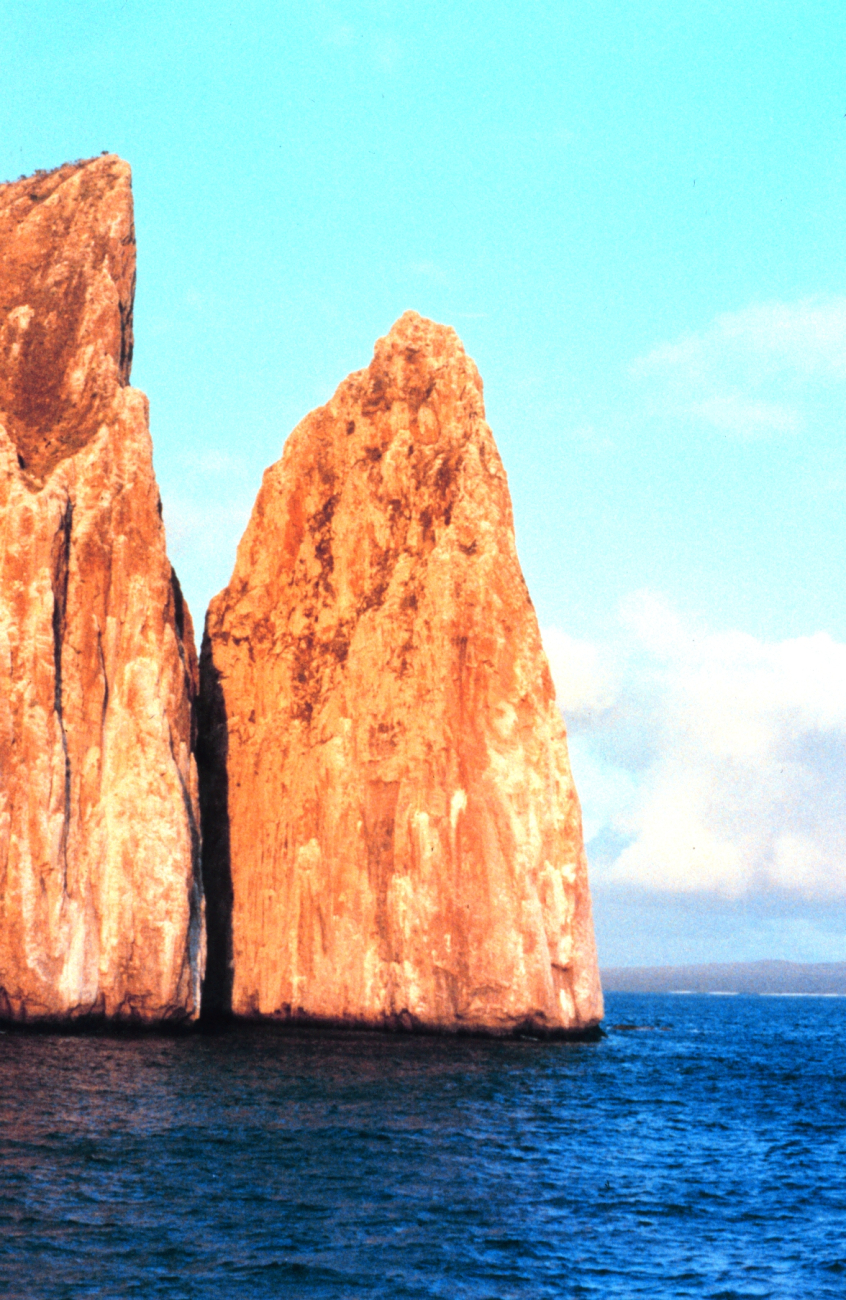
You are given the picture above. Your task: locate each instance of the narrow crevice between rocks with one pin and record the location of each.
(212, 750)
(61, 573)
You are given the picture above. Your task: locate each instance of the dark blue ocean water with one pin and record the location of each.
(702, 1153)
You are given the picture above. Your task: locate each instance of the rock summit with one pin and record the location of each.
(392, 834)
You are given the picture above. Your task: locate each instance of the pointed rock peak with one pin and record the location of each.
(390, 821)
(415, 331)
(67, 283)
(409, 363)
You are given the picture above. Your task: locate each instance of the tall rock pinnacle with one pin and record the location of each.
(391, 828)
(100, 898)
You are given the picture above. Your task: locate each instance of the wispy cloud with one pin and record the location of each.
(748, 418)
(714, 761)
(583, 673)
(752, 373)
(197, 531)
(807, 338)
(430, 271)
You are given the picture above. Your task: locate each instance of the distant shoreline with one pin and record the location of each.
(727, 979)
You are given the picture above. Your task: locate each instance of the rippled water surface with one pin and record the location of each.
(697, 1150)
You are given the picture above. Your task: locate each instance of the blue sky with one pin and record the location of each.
(635, 216)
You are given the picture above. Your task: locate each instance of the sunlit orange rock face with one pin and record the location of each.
(392, 832)
(100, 898)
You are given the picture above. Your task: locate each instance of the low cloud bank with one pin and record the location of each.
(708, 763)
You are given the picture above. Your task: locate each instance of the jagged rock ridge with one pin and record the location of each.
(100, 897)
(392, 835)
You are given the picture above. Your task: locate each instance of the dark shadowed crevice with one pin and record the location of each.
(60, 574)
(126, 334)
(102, 658)
(212, 753)
(195, 923)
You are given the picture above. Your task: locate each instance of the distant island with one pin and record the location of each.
(761, 977)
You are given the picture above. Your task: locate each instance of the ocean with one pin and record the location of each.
(698, 1149)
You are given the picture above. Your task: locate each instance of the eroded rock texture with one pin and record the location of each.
(389, 810)
(100, 898)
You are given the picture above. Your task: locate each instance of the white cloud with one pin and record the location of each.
(604, 788)
(589, 437)
(807, 338)
(203, 533)
(754, 372)
(748, 418)
(430, 271)
(714, 762)
(213, 462)
(582, 675)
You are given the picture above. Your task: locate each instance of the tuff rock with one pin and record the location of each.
(100, 897)
(392, 832)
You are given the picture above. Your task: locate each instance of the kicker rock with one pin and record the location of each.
(392, 835)
(100, 897)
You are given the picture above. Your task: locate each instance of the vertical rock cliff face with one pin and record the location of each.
(100, 898)
(392, 832)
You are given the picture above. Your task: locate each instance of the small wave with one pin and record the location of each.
(802, 995)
